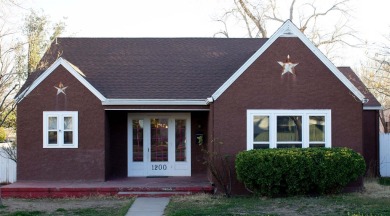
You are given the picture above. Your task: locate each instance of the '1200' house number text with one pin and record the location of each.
(159, 167)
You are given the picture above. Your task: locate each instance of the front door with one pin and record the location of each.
(159, 144)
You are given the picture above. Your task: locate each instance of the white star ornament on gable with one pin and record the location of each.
(288, 66)
(61, 88)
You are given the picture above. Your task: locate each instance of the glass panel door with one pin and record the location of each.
(180, 137)
(138, 140)
(159, 139)
(159, 144)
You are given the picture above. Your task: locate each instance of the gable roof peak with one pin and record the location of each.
(289, 29)
(72, 69)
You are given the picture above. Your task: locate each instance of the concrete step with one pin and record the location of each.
(62, 192)
(153, 194)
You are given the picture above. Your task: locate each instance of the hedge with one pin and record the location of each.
(296, 171)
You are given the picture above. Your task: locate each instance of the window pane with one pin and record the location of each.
(261, 128)
(260, 146)
(52, 137)
(68, 123)
(289, 128)
(289, 146)
(68, 137)
(317, 128)
(180, 131)
(138, 140)
(52, 123)
(159, 139)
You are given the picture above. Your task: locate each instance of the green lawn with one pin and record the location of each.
(93, 206)
(374, 201)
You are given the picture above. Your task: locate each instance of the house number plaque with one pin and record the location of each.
(159, 167)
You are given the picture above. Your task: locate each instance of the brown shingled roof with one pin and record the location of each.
(154, 68)
(161, 68)
(348, 72)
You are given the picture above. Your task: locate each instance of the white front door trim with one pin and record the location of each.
(149, 168)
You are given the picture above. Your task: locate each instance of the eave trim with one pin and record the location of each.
(155, 102)
(288, 29)
(71, 69)
(372, 107)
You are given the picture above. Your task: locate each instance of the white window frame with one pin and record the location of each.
(273, 114)
(60, 115)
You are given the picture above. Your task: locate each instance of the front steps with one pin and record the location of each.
(63, 192)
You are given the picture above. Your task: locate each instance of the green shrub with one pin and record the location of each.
(3, 134)
(294, 171)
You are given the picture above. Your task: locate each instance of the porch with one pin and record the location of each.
(132, 186)
(144, 144)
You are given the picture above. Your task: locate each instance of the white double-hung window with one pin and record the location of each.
(288, 128)
(60, 129)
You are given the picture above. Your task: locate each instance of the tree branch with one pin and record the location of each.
(255, 20)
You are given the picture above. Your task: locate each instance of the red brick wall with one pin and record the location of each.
(261, 86)
(199, 125)
(87, 162)
(371, 141)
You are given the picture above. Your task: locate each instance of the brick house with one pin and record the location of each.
(104, 108)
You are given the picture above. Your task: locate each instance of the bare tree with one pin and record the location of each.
(325, 23)
(10, 54)
(11, 64)
(11, 78)
(375, 73)
(9, 152)
(16, 63)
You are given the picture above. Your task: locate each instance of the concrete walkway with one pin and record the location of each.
(145, 206)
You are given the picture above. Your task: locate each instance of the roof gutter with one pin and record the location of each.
(164, 102)
(372, 108)
(209, 100)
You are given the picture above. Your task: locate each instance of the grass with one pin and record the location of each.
(117, 207)
(329, 205)
(374, 201)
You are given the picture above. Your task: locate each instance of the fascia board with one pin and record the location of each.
(70, 69)
(80, 76)
(328, 63)
(37, 81)
(372, 108)
(248, 63)
(288, 29)
(154, 102)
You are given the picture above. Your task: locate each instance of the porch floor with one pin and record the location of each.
(132, 186)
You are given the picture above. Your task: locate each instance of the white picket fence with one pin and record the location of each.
(384, 154)
(7, 170)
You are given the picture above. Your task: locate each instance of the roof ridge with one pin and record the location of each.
(213, 38)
